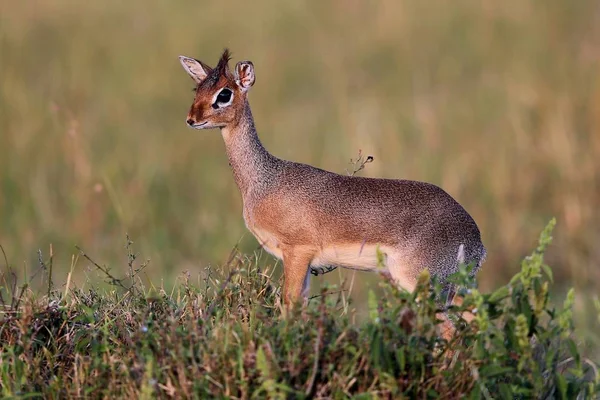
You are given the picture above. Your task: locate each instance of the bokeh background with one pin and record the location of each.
(497, 102)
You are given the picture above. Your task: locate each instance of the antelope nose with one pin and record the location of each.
(190, 122)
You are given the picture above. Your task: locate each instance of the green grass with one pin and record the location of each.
(227, 336)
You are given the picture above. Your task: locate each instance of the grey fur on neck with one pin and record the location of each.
(251, 163)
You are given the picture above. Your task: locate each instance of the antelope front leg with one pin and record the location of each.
(295, 271)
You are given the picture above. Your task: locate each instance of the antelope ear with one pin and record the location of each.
(195, 68)
(244, 75)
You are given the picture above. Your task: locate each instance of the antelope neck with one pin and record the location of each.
(252, 164)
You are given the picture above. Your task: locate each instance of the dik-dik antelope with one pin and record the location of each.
(316, 220)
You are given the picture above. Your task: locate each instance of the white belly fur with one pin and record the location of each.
(368, 257)
(362, 257)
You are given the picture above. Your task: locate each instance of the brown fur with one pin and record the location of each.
(310, 217)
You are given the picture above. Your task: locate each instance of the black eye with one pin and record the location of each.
(224, 96)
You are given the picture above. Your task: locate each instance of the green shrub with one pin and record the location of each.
(228, 338)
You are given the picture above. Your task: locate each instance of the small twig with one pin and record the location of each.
(18, 303)
(131, 256)
(207, 279)
(13, 289)
(230, 258)
(564, 362)
(359, 164)
(113, 280)
(313, 376)
(41, 259)
(42, 266)
(591, 364)
(5, 258)
(311, 382)
(4, 275)
(50, 271)
(142, 267)
(221, 290)
(316, 296)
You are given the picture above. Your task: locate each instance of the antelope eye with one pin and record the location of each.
(224, 96)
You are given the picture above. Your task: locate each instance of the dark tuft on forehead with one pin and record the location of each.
(223, 65)
(222, 69)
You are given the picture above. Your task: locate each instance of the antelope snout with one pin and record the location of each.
(190, 122)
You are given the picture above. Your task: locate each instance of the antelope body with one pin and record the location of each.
(316, 220)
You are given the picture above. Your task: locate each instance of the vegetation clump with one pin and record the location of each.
(230, 338)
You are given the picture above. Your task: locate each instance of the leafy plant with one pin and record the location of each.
(231, 339)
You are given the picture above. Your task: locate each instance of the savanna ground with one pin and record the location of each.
(497, 102)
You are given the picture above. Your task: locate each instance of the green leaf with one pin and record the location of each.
(546, 236)
(572, 348)
(551, 358)
(499, 294)
(561, 384)
(495, 370)
(525, 309)
(505, 392)
(476, 393)
(372, 304)
(32, 395)
(548, 272)
(401, 358)
(377, 349)
(262, 364)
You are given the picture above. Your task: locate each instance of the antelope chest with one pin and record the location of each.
(268, 241)
(266, 238)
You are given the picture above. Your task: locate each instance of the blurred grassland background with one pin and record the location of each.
(496, 102)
